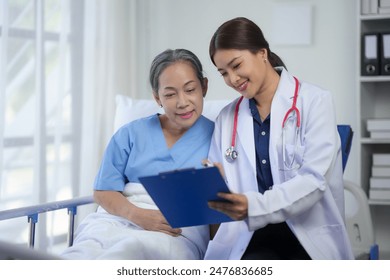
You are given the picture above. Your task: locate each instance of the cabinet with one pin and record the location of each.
(373, 103)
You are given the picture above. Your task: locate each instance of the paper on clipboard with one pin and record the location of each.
(182, 195)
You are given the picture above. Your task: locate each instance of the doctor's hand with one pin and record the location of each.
(153, 220)
(236, 207)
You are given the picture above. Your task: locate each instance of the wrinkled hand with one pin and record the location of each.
(236, 207)
(153, 220)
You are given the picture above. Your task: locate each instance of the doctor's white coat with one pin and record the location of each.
(310, 199)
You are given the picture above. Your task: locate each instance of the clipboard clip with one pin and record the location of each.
(176, 170)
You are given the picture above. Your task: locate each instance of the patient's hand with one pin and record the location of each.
(117, 204)
(153, 220)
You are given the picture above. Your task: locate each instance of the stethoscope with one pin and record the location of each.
(231, 153)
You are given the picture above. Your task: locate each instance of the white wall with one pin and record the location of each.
(329, 61)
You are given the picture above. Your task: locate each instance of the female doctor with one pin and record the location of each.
(280, 152)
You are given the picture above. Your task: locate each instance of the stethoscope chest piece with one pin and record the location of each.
(231, 154)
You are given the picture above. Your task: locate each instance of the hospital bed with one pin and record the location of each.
(127, 110)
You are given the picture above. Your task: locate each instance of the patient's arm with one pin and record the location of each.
(117, 204)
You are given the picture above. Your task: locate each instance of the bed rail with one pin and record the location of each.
(32, 213)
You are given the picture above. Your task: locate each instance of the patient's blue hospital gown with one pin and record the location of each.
(139, 149)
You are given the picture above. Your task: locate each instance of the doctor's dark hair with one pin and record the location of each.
(242, 34)
(169, 57)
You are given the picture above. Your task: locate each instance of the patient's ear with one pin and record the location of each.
(157, 98)
(205, 86)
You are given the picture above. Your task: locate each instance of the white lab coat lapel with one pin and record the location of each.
(245, 134)
(233, 237)
(281, 103)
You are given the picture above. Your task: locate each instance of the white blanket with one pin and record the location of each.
(105, 236)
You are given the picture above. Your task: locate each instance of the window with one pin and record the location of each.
(40, 107)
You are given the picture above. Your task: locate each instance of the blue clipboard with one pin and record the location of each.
(182, 195)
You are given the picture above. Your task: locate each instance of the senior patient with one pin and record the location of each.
(127, 224)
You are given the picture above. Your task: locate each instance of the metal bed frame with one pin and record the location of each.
(32, 213)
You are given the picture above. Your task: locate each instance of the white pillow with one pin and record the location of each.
(129, 109)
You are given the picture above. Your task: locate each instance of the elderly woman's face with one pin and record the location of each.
(181, 95)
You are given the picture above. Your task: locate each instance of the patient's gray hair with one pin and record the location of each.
(169, 57)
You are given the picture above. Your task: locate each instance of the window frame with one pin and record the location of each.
(41, 140)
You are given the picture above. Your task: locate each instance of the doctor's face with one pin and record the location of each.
(181, 95)
(242, 70)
